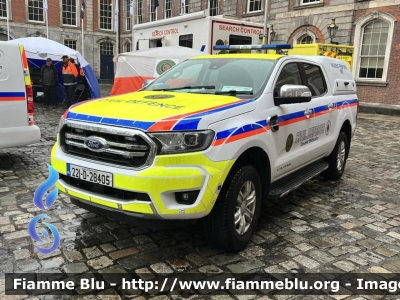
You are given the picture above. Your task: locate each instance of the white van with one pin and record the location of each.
(16, 98)
(198, 31)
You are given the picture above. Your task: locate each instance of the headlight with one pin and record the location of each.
(180, 142)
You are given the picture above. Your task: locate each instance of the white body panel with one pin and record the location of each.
(14, 128)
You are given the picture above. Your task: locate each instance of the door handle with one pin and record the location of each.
(308, 113)
(273, 123)
(330, 106)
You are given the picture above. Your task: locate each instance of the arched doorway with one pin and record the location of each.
(106, 60)
(308, 34)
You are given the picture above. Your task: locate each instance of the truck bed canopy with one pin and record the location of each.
(133, 68)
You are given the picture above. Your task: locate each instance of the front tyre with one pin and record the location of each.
(337, 159)
(231, 223)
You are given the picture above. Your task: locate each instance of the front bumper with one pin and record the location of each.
(168, 174)
(136, 219)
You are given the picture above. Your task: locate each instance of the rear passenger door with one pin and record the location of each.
(301, 137)
(322, 110)
(293, 123)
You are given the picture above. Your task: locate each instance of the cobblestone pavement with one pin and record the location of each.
(352, 225)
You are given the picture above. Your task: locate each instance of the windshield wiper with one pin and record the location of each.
(189, 87)
(233, 92)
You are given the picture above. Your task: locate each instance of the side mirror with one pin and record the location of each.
(291, 93)
(147, 82)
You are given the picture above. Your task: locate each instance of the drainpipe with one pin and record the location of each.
(352, 31)
(266, 39)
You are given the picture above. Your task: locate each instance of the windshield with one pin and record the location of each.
(216, 76)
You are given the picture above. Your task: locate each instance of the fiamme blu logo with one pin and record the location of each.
(38, 201)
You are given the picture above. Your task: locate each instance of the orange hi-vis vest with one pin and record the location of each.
(69, 73)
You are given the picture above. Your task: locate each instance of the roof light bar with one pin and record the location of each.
(253, 47)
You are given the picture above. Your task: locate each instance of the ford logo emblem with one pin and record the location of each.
(95, 143)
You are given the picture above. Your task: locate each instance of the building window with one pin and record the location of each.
(127, 47)
(305, 36)
(372, 39)
(253, 5)
(240, 40)
(305, 39)
(184, 7)
(186, 40)
(152, 11)
(70, 44)
(69, 12)
(106, 14)
(106, 49)
(214, 8)
(128, 15)
(3, 9)
(309, 1)
(168, 9)
(139, 12)
(373, 49)
(35, 11)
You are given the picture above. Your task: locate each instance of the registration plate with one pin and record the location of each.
(95, 176)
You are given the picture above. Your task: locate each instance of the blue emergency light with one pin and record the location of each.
(253, 47)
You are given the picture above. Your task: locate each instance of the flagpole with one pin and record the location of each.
(8, 23)
(47, 25)
(116, 24)
(45, 8)
(82, 17)
(266, 41)
(133, 24)
(83, 46)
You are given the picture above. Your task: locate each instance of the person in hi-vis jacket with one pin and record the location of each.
(69, 74)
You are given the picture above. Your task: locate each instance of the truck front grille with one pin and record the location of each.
(124, 147)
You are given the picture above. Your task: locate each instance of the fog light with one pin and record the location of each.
(186, 198)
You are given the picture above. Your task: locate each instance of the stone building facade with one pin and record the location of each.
(370, 26)
(27, 18)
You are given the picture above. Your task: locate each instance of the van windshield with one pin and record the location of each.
(220, 76)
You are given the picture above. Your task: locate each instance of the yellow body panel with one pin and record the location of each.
(169, 173)
(142, 208)
(140, 105)
(60, 188)
(25, 65)
(79, 195)
(102, 202)
(57, 164)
